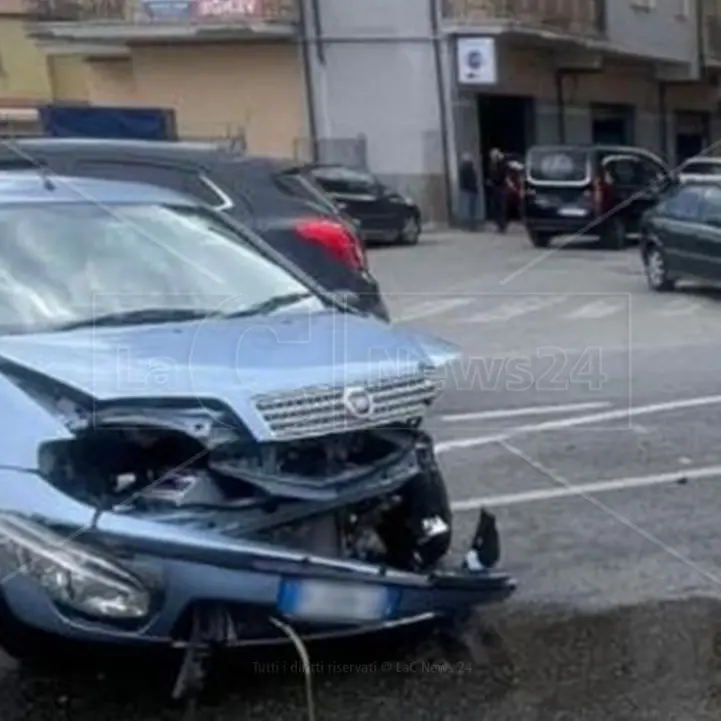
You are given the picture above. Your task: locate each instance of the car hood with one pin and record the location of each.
(229, 361)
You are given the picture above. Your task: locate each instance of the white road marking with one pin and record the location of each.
(679, 307)
(563, 423)
(618, 484)
(516, 412)
(433, 307)
(516, 308)
(595, 310)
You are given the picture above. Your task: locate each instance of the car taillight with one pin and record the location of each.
(336, 238)
(597, 194)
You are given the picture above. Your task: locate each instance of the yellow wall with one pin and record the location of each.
(24, 76)
(28, 76)
(216, 90)
(68, 78)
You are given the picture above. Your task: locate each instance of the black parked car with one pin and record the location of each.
(681, 237)
(295, 219)
(383, 214)
(599, 190)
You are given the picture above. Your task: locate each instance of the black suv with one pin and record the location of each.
(599, 190)
(293, 216)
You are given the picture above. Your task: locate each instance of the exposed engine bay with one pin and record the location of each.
(372, 495)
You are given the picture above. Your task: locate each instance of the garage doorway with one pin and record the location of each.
(692, 134)
(506, 122)
(612, 124)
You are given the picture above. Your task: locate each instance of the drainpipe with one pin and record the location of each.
(560, 105)
(662, 120)
(318, 30)
(703, 54)
(701, 37)
(433, 10)
(309, 81)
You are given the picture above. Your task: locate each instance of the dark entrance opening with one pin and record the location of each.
(612, 124)
(506, 122)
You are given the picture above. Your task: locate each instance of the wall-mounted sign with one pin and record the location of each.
(477, 61)
(229, 8)
(168, 9)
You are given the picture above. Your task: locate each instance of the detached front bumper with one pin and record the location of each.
(243, 594)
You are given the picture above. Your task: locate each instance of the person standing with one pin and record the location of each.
(468, 186)
(499, 185)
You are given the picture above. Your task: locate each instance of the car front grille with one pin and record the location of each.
(320, 411)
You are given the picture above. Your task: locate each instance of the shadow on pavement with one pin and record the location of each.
(660, 661)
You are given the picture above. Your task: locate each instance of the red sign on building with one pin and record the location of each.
(228, 8)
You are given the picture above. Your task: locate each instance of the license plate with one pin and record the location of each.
(327, 601)
(572, 212)
(543, 202)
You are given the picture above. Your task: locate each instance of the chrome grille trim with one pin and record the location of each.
(320, 410)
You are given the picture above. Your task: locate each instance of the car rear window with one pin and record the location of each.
(345, 180)
(701, 168)
(563, 165)
(303, 187)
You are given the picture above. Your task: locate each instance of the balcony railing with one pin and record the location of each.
(141, 12)
(570, 17)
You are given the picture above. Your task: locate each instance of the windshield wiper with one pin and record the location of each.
(269, 306)
(137, 317)
(178, 315)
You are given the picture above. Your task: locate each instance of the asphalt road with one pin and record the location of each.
(586, 413)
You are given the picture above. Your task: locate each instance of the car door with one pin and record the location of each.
(678, 223)
(628, 189)
(654, 181)
(709, 233)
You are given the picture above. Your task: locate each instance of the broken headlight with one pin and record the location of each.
(70, 573)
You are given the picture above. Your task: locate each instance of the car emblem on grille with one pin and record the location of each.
(358, 402)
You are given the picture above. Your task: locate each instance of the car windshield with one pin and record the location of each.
(564, 165)
(70, 265)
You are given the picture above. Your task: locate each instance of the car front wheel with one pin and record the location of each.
(657, 270)
(411, 232)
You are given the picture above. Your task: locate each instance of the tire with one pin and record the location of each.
(613, 236)
(538, 239)
(657, 277)
(411, 232)
(33, 650)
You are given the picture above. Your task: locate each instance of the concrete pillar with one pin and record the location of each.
(578, 124)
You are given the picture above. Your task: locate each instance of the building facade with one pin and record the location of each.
(25, 80)
(228, 68)
(402, 86)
